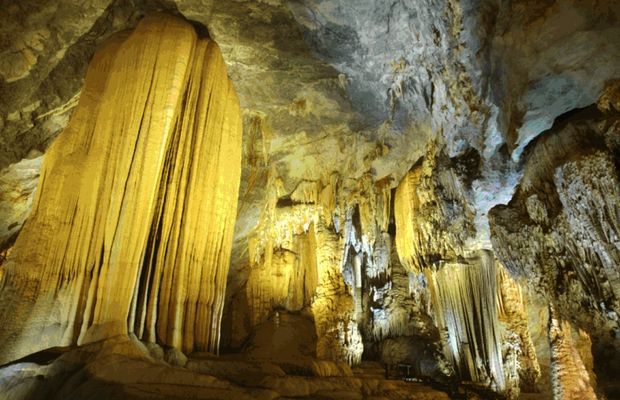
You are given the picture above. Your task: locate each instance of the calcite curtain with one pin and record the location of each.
(131, 229)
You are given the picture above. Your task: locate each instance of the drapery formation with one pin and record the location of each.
(464, 296)
(132, 226)
(480, 318)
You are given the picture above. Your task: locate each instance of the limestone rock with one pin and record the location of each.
(121, 367)
(449, 103)
(570, 377)
(560, 229)
(114, 368)
(430, 206)
(105, 251)
(18, 182)
(174, 356)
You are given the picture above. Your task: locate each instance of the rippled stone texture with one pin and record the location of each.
(132, 224)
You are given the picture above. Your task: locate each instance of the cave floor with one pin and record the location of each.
(123, 368)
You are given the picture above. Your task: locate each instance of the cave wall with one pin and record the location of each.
(560, 229)
(447, 102)
(476, 72)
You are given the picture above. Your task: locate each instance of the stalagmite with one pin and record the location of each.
(131, 229)
(524, 370)
(568, 373)
(333, 308)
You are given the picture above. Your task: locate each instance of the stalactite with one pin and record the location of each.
(307, 192)
(405, 205)
(268, 286)
(328, 199)
(400, 307)
(132, 224)
(297, 257)
(560, 230)
(278, 229)
(433, 220)
(286, 278)
(384, 201)
(355, 221)
(256, 146)
(435, 237)
(589, 191)
(480, 311)
(465, 306)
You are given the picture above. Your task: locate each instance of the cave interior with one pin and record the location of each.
(310, 199)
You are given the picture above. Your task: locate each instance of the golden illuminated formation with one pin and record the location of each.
(131, 230)
(569, 376)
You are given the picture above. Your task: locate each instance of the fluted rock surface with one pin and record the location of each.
(569, 375)
(132, 224)
(477, 308)
(326, 249)
(560, 231)
(339, 100)
(464, 299)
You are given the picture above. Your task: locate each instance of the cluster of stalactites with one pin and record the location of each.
(359, 215)
(399, 303)
(338, 333)
(520, 360)
(433, 220)
(131, 229)
(366, 241)
(560, 230)
(286, 278)
(464, 300)
(288, 252)
(476, 306)
(299, 267)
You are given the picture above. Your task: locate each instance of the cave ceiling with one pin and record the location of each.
(337, 86)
